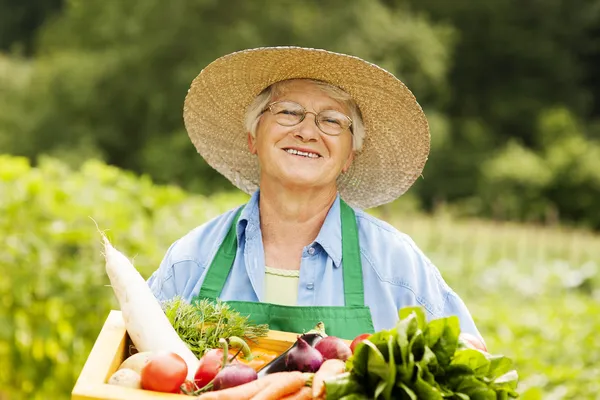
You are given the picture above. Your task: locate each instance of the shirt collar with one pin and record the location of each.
(249, 221)
(329, 237)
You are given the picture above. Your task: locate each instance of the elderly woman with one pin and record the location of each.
(314, 137)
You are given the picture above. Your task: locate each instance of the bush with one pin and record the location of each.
(53, 292)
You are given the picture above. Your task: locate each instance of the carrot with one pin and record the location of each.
(288, 383)
(303, 394)
(329, 368)
(145, 321)
(242, 392)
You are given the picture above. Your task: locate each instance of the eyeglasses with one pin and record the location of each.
(330, 122)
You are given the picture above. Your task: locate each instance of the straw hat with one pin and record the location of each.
(396, 143)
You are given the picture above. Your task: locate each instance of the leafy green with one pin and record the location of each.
(201, 324)
(420, 360)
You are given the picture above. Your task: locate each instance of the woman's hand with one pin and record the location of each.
(472, 341)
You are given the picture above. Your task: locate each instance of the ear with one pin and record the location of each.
(348, 162)
(251, 144)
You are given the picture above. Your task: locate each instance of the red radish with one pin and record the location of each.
(303, 357)
(212, 362)
(209, 366)
(357, 340)
(333, 347)
(145, 321)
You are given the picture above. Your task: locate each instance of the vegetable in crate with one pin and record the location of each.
(232, 374)
(281, 363)
(201, 324)
(145, 321)
(420, 360)
(212, 362)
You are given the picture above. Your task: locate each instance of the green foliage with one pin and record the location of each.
(564, 174)
(53, 292)
(533, 292)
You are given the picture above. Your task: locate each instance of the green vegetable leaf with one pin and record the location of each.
(407, 392)
(428, 368)
(435, 330)
(387, 393)
(499, 365)
(474, 359)
(380, 389)
(425, 390)
(341, 386)
(472, 386)
(445, 347)
(421, 319)
(507, 382)
(355, 396)
(380, 340)
(377, 368)
(417, 345)
(455, 374)
(359, 359)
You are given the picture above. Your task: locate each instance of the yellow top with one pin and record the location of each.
(281, 286)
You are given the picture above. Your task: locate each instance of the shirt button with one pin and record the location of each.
(311, 250)
(310, 286)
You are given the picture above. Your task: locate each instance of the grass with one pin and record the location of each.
(533, 291)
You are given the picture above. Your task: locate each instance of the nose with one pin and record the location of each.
(307, 130)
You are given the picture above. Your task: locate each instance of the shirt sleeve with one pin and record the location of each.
(161, 282)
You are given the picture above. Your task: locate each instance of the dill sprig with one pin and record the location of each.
(201, 324)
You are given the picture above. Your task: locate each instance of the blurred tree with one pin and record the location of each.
(513, 61)
(20, 21)
(110, 77)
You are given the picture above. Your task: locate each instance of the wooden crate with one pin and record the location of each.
(110, 350)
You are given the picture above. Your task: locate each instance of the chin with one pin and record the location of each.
(297, 179)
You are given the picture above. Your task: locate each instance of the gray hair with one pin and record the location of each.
(260, 102)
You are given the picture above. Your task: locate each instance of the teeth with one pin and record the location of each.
(302, 153)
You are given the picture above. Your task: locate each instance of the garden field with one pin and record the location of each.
(534, 292)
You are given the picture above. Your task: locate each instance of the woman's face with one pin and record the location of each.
(275, 144)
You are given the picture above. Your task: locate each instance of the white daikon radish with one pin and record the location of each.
(147, 325)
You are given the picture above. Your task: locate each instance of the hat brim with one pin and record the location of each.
(397, 140)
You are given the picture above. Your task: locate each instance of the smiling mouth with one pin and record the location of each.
(302, 153)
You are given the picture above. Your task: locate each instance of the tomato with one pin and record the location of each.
(357, 340)
(165, 372)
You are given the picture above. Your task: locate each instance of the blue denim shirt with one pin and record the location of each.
(395, 271)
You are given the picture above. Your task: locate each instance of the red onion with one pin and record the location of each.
(303, 357)
(332, 347)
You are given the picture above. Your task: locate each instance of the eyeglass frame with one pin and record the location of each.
(305, 111)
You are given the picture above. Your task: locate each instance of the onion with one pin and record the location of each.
(303, 357)
(332, 347)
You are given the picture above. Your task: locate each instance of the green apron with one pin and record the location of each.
(345, 322)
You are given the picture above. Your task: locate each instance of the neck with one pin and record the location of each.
(293, 216)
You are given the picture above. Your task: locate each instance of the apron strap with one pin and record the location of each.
(351, 263)
(221, 265)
